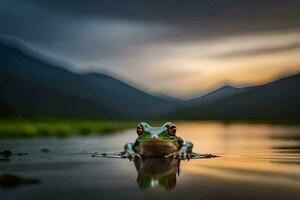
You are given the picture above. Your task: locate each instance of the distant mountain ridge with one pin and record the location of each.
(278, 100)
(28, 84)
(216, 94)
(33, 87)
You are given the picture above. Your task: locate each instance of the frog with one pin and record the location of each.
(158, 142)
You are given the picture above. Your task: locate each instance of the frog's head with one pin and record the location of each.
(148, 133)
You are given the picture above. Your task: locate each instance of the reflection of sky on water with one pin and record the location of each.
(249, 152)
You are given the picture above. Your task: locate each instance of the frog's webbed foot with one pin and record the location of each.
(180, 154)
(199, 155)
(132, 155)
(189, 155)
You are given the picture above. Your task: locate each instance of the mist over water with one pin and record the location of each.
(257, 161)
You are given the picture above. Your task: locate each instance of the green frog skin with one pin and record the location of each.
(158, 142)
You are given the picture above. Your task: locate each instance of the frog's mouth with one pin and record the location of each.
(150, 148)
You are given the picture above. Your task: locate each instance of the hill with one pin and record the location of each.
(278, 100)
(31, 86)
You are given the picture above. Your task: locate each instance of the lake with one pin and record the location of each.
(257, 161)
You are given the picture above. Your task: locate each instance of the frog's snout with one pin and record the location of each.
(154, 137)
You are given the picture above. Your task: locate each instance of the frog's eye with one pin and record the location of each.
(139, 129)
(172, 130)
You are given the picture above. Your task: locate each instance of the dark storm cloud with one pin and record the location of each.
(201, 15)
(58, 24)
(30, 22)
(72, 35)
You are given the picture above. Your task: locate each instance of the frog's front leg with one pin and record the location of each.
(184, 151)
(129, 151)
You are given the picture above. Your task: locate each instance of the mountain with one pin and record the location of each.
(32, 86)
(216, 95)
(278, 100)
(172, 99)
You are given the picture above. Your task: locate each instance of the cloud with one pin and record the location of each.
(193, 19)
(260, 51)
(181, 48)
(188, 13)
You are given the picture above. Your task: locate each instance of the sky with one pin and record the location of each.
(178, 48)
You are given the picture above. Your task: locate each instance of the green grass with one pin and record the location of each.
(59, 128)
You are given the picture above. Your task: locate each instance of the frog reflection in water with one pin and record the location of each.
(157, 172)
(158, 142)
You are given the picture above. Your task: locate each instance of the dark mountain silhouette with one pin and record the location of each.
(30, 86)
(33, 86)
(215, 95)
(278, 100)
(172, 99)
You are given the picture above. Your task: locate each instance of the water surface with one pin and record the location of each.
(258, 161)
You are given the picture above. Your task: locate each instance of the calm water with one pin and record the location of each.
(257, 162)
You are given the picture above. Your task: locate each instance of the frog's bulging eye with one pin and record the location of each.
(139, 129)
(172, 130)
